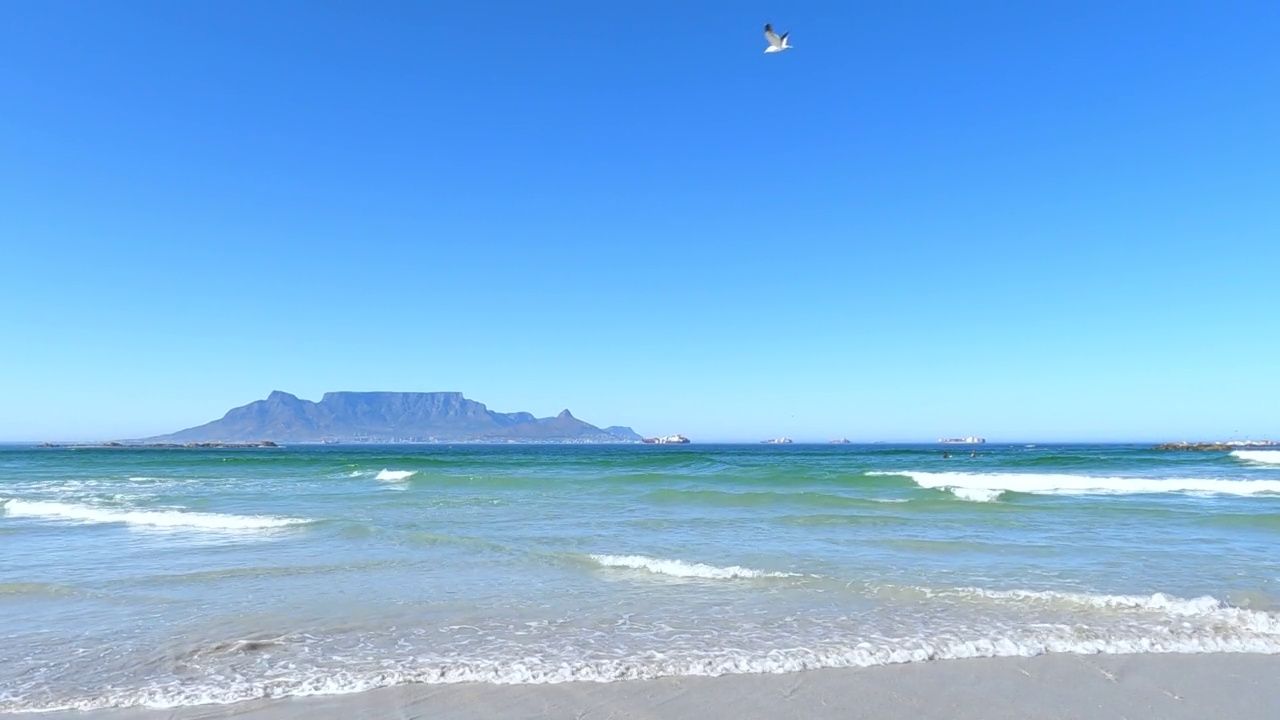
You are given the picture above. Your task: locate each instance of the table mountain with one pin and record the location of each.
(390, 417)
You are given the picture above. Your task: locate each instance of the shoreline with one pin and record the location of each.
(1058, 686)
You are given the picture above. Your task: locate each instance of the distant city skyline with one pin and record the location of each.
(1022, 222)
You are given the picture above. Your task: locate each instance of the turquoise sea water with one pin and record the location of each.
(175, 577)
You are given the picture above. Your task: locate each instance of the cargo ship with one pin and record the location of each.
(962, 441)
(676, 439)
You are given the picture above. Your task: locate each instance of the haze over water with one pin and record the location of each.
(176, 577)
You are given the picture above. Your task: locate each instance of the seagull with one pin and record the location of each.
(776, 43)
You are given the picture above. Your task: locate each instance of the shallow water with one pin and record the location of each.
(175, 577)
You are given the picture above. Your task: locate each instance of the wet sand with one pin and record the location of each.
(1133, 687)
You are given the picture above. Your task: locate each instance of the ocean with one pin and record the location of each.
(175, 577)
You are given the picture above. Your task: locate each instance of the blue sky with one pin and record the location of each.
(1019, 220)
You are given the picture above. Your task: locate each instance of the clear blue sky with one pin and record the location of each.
(1020, 220)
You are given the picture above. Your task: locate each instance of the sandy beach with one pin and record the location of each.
(1133, 687)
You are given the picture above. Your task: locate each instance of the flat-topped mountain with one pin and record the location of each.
(390, 417)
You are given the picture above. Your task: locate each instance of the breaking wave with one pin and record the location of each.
(147, 518)
(1205, 607)
(976, 494)
(1269, 457)
(1183, 626)
(981, 486)
(681, 569)
(395, 475)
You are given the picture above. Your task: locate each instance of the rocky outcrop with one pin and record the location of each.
(1194, 446)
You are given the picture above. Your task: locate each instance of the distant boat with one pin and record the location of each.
(777, 441)
(676, 439)
(840, 441)
(962, 441)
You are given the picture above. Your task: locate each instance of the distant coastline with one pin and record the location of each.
(1190, 446)
(131, 445)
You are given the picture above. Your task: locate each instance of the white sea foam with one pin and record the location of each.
(1202, 625)
(681, 569)
(178, 519)
(1270, 457)
(976, 494)
(395, 475)
(1204, 607)
(1055, 484)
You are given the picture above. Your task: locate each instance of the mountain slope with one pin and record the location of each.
(388, 417)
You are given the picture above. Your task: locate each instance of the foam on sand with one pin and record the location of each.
(1209, 627)
(681, 569)
(395, 475)
(1192, 687)
(975, 486)
(1269, 457)
(179, 519)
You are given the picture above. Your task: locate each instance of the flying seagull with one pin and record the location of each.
(776, 43)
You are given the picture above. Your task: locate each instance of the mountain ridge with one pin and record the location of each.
(383, 416)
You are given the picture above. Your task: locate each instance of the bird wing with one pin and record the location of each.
(772, 36)
(783, 39)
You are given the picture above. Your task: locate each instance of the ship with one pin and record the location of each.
(777, 441)
(971, 440)
(840, 441)
(676, 439)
